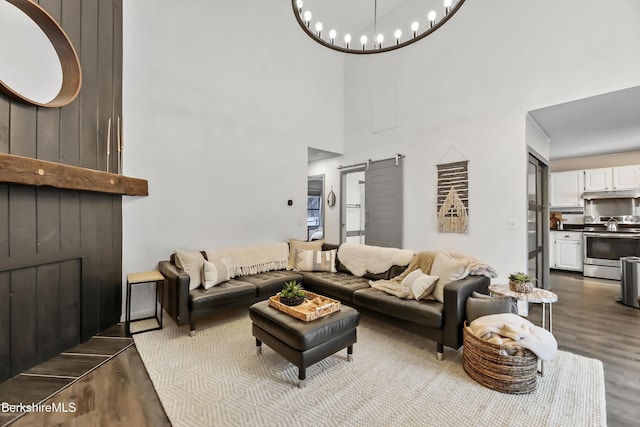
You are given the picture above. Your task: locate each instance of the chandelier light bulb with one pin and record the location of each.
(347, 40)
(414, 27)
(397, 34)
(332, 36)
(299, 5)
(363, 40)
(319, 29)
(431, 16)
(447, 6)
(380, 39)
(307, 17)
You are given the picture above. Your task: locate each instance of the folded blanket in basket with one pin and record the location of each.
(512, 331)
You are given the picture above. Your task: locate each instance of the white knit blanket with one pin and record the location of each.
(512, 331)
(360, 259)
(246, 260)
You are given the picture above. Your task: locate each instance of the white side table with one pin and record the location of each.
(537, 296)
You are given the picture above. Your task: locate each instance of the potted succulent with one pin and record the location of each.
(292, 293)
(520, 282)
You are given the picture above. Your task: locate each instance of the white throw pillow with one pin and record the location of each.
(214, 272)
(294, 244)
(447, 269)
(411, 277)
(191, 263)
(315, 260)
(423, 286)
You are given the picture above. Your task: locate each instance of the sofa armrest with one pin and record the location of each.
(175, 296)
(455, 306)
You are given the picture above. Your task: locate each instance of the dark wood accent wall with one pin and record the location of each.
(61, 250)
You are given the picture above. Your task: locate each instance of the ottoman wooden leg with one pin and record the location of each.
(258, 347)
(349, 353)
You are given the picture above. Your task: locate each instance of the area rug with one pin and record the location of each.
(217, 379)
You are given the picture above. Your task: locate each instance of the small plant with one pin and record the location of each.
(521, 278)
(292, 289)
(520, 282)
(292, 293)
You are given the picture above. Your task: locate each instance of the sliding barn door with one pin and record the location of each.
(384, 202)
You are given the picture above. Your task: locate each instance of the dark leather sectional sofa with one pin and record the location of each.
(440, 322)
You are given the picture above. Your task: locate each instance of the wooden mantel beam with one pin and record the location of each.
(27, 171)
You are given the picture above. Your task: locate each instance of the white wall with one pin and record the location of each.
(221, 100)
(536, 138)
(470, 86)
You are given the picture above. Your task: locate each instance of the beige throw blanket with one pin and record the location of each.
(392, 288)
(424, 262)
(360, 259)
(246, 260)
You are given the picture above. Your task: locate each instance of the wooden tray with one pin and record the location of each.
(314, 307)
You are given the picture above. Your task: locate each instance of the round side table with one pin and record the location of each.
(537, 296)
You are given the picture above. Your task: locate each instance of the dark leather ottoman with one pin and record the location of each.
(304, 343)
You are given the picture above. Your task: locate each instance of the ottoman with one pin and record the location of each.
(303, 343)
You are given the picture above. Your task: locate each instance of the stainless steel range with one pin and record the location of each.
(612, 231)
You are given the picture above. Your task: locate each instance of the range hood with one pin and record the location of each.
(620, 194)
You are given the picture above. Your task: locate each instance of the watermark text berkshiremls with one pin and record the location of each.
(38, 407)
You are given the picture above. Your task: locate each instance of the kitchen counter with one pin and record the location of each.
(571, 227)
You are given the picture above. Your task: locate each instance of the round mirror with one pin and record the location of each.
(331, 199)
(39, 66)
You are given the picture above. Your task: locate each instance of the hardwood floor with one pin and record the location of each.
(587, 320)
(101, 382)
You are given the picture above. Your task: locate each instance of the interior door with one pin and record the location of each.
(537, 221)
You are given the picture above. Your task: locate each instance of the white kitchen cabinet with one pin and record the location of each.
(567, 250)
(626, 177)
(566, 189)
(598, 179)
(610, 179)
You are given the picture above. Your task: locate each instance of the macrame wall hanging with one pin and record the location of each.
(453, 197)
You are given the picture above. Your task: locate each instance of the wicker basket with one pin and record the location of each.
(314, 307)
(483, 362)
(522, 287)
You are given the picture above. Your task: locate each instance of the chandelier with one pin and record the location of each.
(371, 40)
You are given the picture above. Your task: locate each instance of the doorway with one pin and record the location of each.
(537, 220)
(315, 207)
(353, 216)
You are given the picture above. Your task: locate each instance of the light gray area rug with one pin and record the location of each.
(217, 379)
